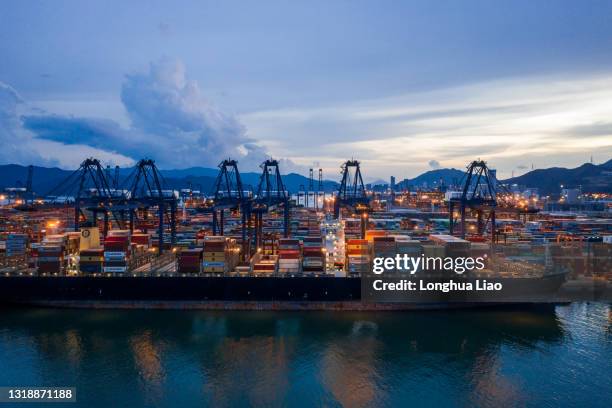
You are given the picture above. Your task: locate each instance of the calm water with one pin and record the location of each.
(562, 357)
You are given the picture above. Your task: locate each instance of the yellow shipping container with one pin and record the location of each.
(215, 254)
(90, 238)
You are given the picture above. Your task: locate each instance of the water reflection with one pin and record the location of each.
(147, 358)
(269, 358)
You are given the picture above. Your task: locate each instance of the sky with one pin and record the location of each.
(402, 86)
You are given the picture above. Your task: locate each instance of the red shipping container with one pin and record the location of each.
(141, 239)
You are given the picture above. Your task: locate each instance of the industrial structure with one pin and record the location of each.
(271, 193)
(352, 193)
(125, 220)
(479, 194)
(148, 192)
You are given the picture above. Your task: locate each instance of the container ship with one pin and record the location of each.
(313, 272)
(234, 293)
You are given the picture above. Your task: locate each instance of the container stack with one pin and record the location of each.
(434, 250)
(73, 241)
(92, 260)
(90, 238)
(243, 270)
(455, 247)
(141, 239)
(352, 227)
(190, 261)
(56, 240)
(480, 249)
(266, 265)
(214, 255)
(314, 259)
(288, 256)
(52, 255)
(405, 246)
(51, 259)
(33, 255)
(602, 259)
(221, 254)
(15, 245)
(384, 247)
(372, 234)
(116, 251)
(358, 256)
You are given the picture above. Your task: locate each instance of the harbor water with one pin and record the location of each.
(557, 357)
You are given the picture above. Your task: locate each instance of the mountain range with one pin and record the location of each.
(589, 177)
(433, 178)
(46, 179)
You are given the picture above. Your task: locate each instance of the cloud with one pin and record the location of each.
(549, 120)
(434, 164)
(9, 126)
(594, 129)
(170, 121)
(20, 146)
(170, 109)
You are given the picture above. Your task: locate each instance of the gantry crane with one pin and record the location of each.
(352, 193)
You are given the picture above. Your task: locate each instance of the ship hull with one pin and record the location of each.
(222, 293)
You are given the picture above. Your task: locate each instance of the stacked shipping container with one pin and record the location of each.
(221, 254)
(116, 251)
(314, 259)
(190, 261)
(358, 256)
(51, 259)
(288, 256)
(91, 260)
(266, 265)
(15, 245)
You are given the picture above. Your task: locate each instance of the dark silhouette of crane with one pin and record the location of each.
(116, 178)
(29, 193)
(145, 189)
(352, 193)
(229, 193)
(479, 194)
(271, 193)
(88, 187)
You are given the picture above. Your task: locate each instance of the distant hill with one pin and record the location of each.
(45, 179)
(377, 182)
(589, 177)
(433, 177)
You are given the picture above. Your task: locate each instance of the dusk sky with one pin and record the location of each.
(403, 86)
